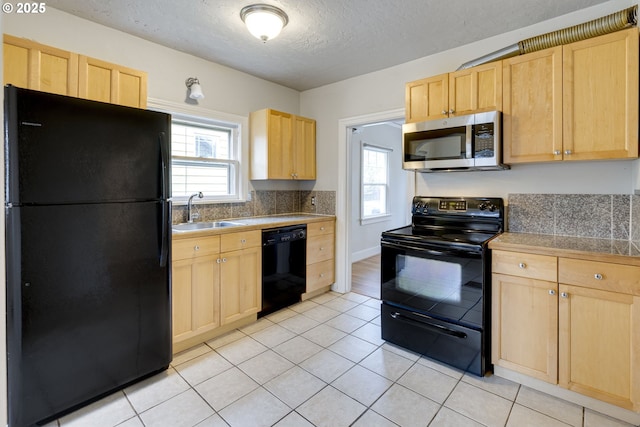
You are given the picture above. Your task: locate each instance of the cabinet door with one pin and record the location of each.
(598, 344)
(31, 65)
(525, 326)
(305, 148)
(600, 92)
(106, 82)
(280, 145)
(241, 290)
(476, 89)
(532, 102)
(427, 99)
(195, 296)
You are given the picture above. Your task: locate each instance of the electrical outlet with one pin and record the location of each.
(313, 200)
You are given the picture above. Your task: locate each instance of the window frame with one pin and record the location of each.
(199, 116)
(368, 219)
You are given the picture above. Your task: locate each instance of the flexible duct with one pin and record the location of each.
(597, 27)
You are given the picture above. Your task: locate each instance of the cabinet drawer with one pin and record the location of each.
(320, 274)
(320, 249)
(320, 228)
(600, 275)
(533, 266)
(240, 240)
(189, 248)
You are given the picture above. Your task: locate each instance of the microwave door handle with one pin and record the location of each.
(468, 154)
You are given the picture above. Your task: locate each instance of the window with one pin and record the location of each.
(375, 181)
(204, 158)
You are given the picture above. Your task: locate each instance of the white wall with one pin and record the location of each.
(365, 238)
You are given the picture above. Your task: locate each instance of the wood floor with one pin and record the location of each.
(365, 277)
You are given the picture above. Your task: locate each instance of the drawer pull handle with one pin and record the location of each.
(196, 248)
(522, 265)
(598, 276)
(552, 292)
(564, 295)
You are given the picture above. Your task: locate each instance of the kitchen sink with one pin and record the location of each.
(191, 226)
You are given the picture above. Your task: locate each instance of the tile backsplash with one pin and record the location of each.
(605, 216)
(263, 203)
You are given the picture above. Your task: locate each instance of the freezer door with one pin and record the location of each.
(68, 150)
(88, 303)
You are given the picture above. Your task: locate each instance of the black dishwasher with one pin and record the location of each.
(284, 264)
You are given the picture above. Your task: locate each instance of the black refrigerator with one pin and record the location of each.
(88, 216)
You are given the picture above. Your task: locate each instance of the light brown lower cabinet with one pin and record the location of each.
(216, 282)
(195, 287)
(320, 255)
(581, 331)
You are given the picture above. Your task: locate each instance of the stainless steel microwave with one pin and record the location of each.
(470, 142)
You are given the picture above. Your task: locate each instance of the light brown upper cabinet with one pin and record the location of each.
(36, 66)
(31, 65)
(474, 89)
(283, 145)
(106, 82)
(575, 102)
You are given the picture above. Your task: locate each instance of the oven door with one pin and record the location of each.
(445, 284)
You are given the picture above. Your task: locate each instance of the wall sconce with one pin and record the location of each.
(195, 91)
(264, 21)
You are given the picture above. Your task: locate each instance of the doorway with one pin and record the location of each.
(357, 239)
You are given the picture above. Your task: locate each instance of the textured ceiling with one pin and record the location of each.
(326, 40)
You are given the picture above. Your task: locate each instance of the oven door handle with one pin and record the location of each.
(429, 326)
(404, 246)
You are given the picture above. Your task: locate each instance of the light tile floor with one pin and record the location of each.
(322, 363)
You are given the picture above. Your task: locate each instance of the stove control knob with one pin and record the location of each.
(482, 206)
(492, 208)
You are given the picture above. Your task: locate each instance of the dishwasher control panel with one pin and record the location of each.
(274, 236)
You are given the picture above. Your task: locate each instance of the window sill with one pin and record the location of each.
(375, 219)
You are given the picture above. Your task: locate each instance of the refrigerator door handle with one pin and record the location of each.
(165, 226)
(166, 161)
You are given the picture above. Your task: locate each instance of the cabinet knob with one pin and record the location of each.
(321, 274)
(218, 260)
(444, 112)
(567, 152)
(522, 265)
(224, 260)
(598, 276)
(451, 111)
(321, 248)
(321, 228)
(557, 152)
(196, 248)
(564, 295)
(552, 292)
(243, 241)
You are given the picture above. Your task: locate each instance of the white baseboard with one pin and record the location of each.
(365, 253)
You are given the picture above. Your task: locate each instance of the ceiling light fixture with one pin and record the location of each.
(264, 21)
(195, 91)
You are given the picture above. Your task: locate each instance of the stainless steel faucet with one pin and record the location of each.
(191, 216)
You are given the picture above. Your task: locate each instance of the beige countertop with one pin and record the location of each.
(255, 223)
(616, 251)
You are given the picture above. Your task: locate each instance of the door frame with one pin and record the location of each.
(343, 194)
